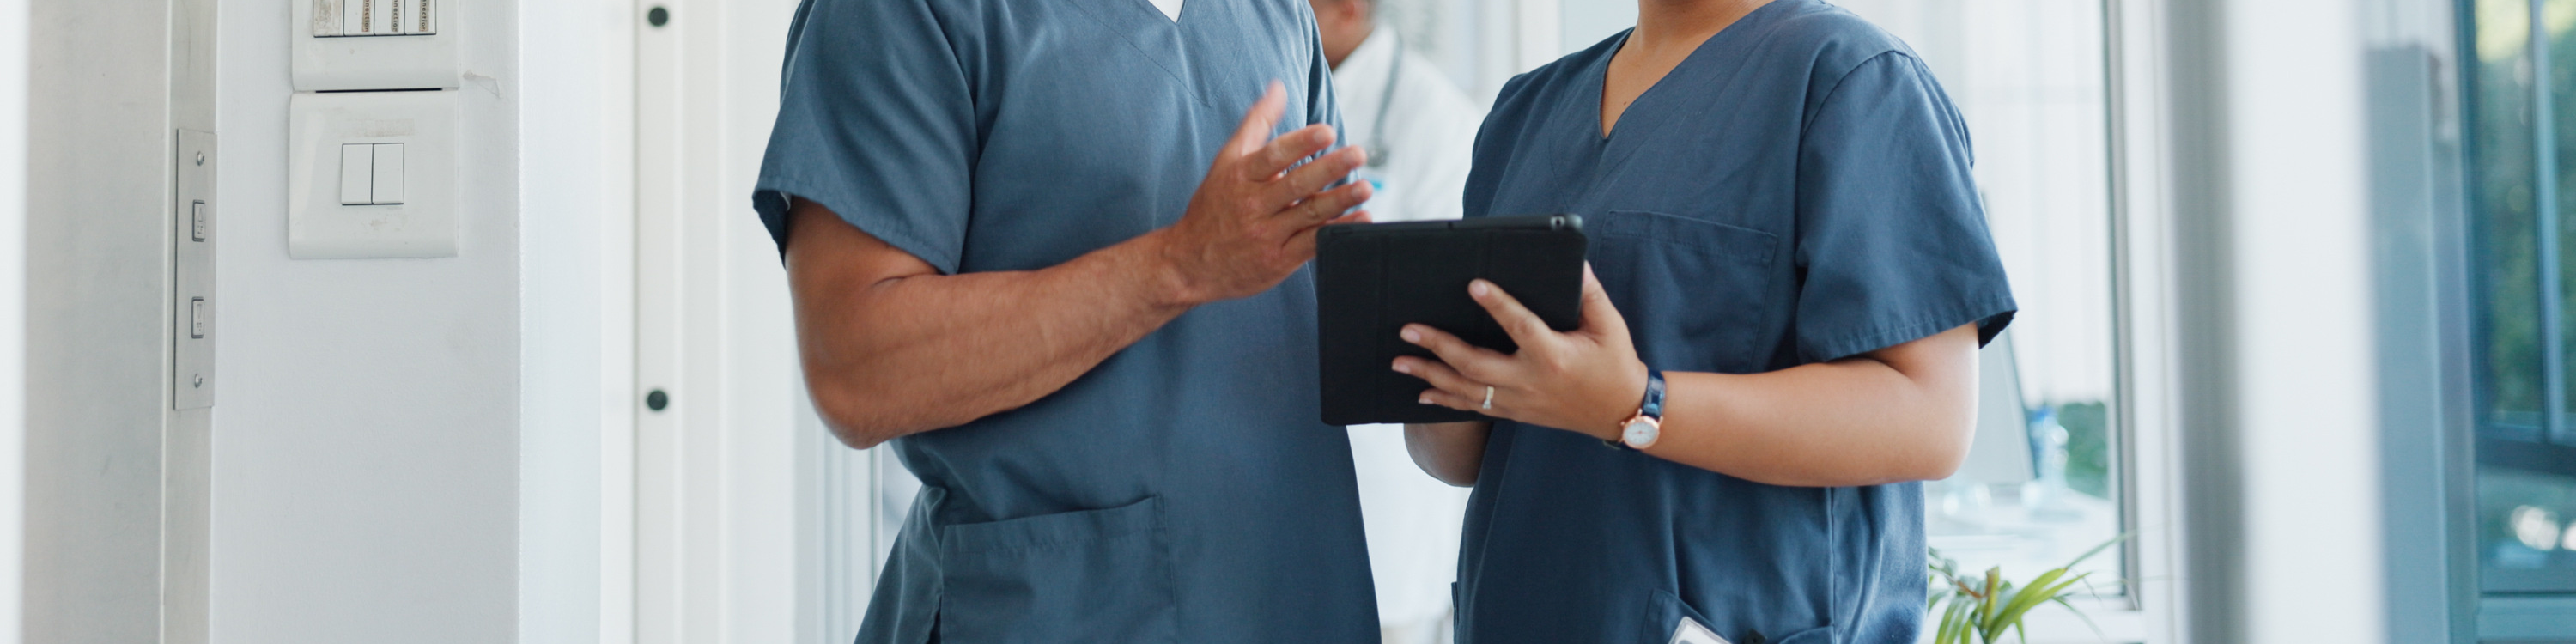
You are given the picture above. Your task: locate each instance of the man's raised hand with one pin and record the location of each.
(1252, 222)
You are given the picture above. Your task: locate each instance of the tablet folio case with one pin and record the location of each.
(1372, 279)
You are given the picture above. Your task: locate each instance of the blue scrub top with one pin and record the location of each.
(1182, 491)
(1796, 191)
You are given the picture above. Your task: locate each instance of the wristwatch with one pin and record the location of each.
(1642, 430)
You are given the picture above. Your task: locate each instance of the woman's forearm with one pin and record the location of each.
(1451, 452)
(1901, 414)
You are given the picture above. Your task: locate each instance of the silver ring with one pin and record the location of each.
(1489, 396)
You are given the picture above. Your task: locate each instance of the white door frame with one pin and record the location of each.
(750, 521)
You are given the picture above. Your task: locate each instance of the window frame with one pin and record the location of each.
(2146, 468)
(2475, 613)
(2144, 355)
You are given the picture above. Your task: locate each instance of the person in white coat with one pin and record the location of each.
(1418, 127)
(1420, 134)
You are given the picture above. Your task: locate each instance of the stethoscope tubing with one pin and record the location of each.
(1385, 103)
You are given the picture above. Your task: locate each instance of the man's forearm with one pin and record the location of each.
(892, 346)
(912, 354)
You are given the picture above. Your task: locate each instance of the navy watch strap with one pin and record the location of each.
(1651, 407)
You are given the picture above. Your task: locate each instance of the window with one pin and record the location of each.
(2522, 145)
(2029, 77)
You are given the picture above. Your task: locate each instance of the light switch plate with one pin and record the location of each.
(319, 226)
(192, 284)
(326, 58)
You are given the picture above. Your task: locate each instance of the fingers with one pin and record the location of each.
(1259, 121)
(1302, 244)
(1306, 179)
(1331, 205)
(1440, 376)
(1474, 403)
(1525, 327)
(1472, 361)
(1287, 151)
(1599, 316)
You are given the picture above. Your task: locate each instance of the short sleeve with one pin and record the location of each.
(1321, 105)
(876, 122)
(1892, 244)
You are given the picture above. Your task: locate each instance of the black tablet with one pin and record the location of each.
(1372, 279)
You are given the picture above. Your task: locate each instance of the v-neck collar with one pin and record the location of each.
(1635, 126)
(1600, 73)
(1160, 39)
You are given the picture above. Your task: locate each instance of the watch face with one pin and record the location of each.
(1638, 434)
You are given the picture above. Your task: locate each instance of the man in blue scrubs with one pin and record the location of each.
(1041, 247)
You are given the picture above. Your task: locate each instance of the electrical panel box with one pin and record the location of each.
(355, 45)
(372, 174)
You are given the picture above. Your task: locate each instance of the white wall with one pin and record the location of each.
(367, 433)
(577, 393)
(100, 119)
(2305, 362)
(2275, 348)
(761, 369)
(1588, 22)
(13, 301)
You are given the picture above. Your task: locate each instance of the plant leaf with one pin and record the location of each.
(1985, 608)
(2079, 614)
(1947, 633)
(2106, 545)
(1966, 613)
(2046, 588)
(1994, 583)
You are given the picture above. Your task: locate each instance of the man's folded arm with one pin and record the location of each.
(892, 347)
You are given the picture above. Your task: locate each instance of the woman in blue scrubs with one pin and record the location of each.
(1791, 276)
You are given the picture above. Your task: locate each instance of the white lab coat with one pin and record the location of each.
(1430, 136)
(1413, 520)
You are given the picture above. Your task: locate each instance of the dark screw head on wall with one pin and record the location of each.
(657, 400)
(658, 16)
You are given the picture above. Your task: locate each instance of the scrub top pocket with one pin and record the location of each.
(1074, 577)
(1664, 615)
(1817, 635)
(1696, 285)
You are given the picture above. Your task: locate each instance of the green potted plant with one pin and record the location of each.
(1980, 608)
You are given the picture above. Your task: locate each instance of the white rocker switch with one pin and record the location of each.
(357, 174)
(389, 174)
(391, 192)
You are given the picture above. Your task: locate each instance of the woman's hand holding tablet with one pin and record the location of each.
(1587, 380)
(1372, 280)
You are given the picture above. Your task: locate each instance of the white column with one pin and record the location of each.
(2300, 247)
(13, 302)
(576, 320)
